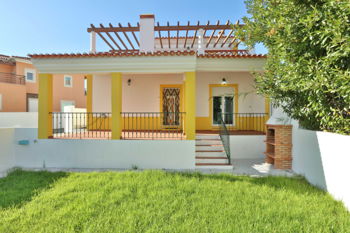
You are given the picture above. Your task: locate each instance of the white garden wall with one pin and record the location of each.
(324, 159)
(247, 146)
(145, 154)
(7, 156)
(18, 119)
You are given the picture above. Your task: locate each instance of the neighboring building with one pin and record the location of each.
(19, 86)
(196, 79)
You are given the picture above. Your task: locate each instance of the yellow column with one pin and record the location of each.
(116, 105)
(45, 106)
(190, 105)
(89, 93)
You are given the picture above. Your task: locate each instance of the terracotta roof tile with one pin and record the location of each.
(208, 54)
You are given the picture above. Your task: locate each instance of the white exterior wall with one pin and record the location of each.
(247, 146)
(101, 93)
(7, 156)
(323, 158)
(145, 154)
(143, 94)
(248, 102)
(18, 119)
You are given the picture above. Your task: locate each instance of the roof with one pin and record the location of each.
(7, 60)
(136, 53)
(11, 60)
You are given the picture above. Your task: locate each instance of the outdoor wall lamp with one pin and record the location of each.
(129, 82)
(223, 82)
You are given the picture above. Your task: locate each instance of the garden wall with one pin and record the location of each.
(324, 159)
(7, 156)
(63, 153)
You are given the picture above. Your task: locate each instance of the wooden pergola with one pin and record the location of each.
(125, 38)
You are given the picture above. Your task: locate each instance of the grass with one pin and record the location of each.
(157, 201)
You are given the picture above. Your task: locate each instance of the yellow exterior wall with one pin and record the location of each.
(116, 105)
(190, 105)
(45, 106)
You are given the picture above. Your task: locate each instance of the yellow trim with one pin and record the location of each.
(89, 93)
(235, 87)
(45, 106)
(190, 105)
(116, 105)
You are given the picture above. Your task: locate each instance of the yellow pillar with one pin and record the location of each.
(116, 105)
(89, 93)
(190, 105)
(45, 106)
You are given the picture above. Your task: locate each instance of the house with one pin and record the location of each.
(19, 87)
(180, 82)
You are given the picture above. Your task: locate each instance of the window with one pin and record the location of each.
(30, 75)
(68, 81)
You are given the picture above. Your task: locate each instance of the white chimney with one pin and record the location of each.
(92, 42)
(200, 48)
(147, 33)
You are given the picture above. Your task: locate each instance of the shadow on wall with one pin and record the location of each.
(324, 159)
(20, 186)
(307, 160)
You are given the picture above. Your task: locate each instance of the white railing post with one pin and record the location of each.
(92, 42)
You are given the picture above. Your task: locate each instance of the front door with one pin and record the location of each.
(223, 105)
(171, 106)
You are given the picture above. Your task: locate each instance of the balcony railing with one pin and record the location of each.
(145, 125)
(12, 78)
(254, 122)
(136, 125)
(81, 125)
(153, 125)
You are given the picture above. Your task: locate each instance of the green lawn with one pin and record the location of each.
(157, 201)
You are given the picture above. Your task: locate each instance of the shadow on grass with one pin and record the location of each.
(20, 186)
(296, 184)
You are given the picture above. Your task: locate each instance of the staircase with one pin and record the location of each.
(210, 152)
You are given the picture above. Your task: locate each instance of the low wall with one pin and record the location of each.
(324, 159)
(7, 156)
(61, 153)
(247, 146)
(18, 120)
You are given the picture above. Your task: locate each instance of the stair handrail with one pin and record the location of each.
(224, 136)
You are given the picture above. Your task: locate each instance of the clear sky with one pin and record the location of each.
(59, 26)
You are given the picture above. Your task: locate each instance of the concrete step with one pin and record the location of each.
(207, 136)
(200, 142)
(209, 147)
(211, 160)
(213, 167)
(211, 153)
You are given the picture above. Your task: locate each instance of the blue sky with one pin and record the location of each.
(59, 26)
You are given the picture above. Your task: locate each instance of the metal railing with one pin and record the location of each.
(12, 78)
(136, 125)
(245, 121)
(153, 125)
(81, 125)
(224, 136)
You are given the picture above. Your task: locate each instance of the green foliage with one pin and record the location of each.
(158, 201)
(308, 65)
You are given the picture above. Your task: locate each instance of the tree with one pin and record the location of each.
(308, 64)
